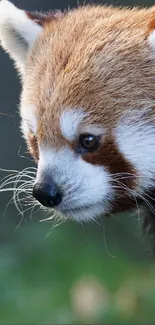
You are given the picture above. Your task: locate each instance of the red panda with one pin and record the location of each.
(87, 105)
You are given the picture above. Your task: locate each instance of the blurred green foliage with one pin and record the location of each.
(99, 273)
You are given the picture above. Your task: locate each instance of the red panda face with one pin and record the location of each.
(87, 106)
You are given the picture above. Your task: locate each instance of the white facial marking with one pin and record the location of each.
(17, 32)
(86, 188)
(70, 122)
(151, 40)
(136, 141)
(29, 120)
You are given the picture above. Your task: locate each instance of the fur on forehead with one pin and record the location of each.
(75, 64)
(19, 29)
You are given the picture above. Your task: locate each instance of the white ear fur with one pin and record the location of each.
(17, 32)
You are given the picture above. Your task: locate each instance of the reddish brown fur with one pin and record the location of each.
(94, 58)
(109, 156)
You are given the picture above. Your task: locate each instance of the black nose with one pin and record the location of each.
(47, 194)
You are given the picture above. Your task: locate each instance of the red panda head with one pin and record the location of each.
(87, 105)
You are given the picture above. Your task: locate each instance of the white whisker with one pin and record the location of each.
(20, 183)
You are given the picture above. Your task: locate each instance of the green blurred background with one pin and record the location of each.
(90, 273)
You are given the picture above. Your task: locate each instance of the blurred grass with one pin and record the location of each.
(77, 274)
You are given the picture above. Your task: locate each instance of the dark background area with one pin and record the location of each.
(72, 273)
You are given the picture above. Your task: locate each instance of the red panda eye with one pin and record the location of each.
(89, 142)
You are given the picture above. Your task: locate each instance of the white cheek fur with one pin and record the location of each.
(136, 141)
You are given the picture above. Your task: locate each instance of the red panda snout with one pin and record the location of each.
(84, 190)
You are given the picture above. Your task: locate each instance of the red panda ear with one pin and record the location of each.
(19, 29)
